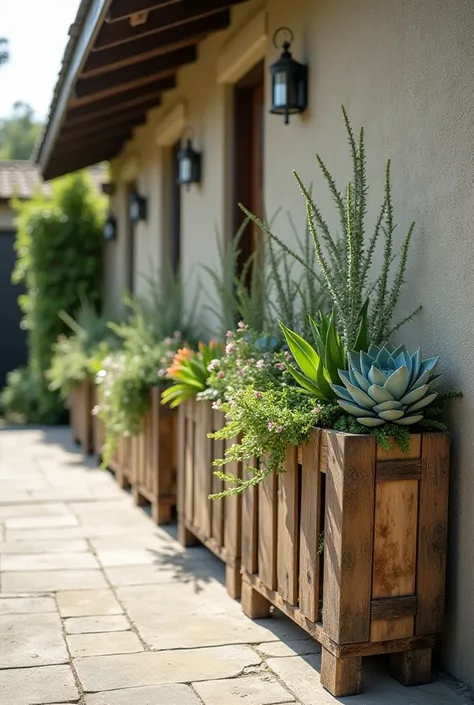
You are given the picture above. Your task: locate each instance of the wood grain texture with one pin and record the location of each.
(249, 548)
(432, 534)
(190, 435)
(341, 676)
(389, 470)
(217, 505)
(203, 468)
(254, 605)
(233, 511)
(395, 453)
(411, 667)
(267, 531)
(395, 534)
(348, 539)
(310, 528)
(182, 441)
(387, 629)
(287, 529)
(393, 607)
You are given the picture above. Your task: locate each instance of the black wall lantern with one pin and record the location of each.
(138, 207)
(189, 164)
(289, 80)
(110, 228)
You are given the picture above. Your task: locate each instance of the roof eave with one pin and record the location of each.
(95, 16)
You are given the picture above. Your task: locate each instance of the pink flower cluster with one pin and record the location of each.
(260, 364)
(272, 426)
(213, 365)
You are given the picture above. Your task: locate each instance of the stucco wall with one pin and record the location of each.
(405, 71)
(6, 217)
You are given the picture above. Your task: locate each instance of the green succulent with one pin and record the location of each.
(387, 384)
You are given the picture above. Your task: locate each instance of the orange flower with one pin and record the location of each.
(180, 357)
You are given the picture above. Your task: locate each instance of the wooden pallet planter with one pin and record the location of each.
(80, 417)
(98, 430)
(121, 462)
(154, 459)
(215, 523)
(381, 577)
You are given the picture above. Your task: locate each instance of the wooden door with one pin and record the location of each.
(249, 154)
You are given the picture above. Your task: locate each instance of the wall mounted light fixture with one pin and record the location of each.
(289, 80)
(189, 163)
(137, 207)
(110, 228)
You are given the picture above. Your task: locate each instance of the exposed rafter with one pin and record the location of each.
(123, 9)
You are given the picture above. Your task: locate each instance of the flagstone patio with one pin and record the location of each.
(98, 606)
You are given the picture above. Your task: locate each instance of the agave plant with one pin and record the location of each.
(387, 384)
(319, 366)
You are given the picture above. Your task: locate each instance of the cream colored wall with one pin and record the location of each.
(6, 217)
(405, 71)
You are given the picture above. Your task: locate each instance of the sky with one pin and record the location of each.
(37, 31)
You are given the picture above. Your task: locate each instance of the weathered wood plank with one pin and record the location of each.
(341, 676)
(267, 531)
(393, 607)
(233, 511)
(287, 529)
(310, 528)
(203, 468)
(386, 629)
(190, 450)
(389, 470)
(411, 667)
(395, 532)
(432, 535)
(348, 540)
(182, 444)
(217, 505)
(395, 453)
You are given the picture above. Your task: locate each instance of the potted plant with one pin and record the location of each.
(344, 528)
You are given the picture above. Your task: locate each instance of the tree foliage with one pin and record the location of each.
(4, 53)
(18, 132)
(59, 242)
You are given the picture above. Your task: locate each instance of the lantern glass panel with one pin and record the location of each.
(134, 210)
(185, 170)
(280, 89)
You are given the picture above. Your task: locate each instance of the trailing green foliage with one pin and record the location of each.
(58, 245)
(346, 259)
(19, 400)
(75, 356)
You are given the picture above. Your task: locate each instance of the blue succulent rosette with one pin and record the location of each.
(387, 384)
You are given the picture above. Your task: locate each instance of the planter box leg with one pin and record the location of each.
(411, 667)
(341, 676)
(139, 500)
(233, 581)
(185, 537)
(254, 604)
(161, 512)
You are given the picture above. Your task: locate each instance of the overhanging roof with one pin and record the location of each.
(121, 56)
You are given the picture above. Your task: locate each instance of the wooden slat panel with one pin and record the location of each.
(165, 446)
(310, 527)
(249, 549)
(396, 509)
(190, 451)
(287, 530)
(129, 74)
(348, 538)
(154, 44)
(233, 512)
(432, 534)
(158, 21)
(121, 9)
(396, 454)
(203, 468)
(267, 531)
(388, 629)
(217, 505)
(393, 607)
(182, 445)
(389, 470)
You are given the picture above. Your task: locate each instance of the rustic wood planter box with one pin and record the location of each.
(80, 417)
(216, 523)
(98, 430)
(154, 459)
(121, 463)
(381, 576)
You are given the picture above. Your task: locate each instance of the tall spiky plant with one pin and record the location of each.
(345, 259)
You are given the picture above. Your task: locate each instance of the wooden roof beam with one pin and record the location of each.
(123, 9)
(144, 92)
(126, 119)
(127, 75)
(81, 159)
(88, 116)
(94, 141)
(154, 44)
(160, 19)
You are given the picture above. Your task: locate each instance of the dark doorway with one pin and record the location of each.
(248, 154)
(13, 351)
(175, 210)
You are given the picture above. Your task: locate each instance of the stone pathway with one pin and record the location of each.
(100, 607)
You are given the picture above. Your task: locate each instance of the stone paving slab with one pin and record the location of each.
(103, 644)
(150, 695)
(125, 671)
(31, 640)
(77, 556)
(87, 603)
